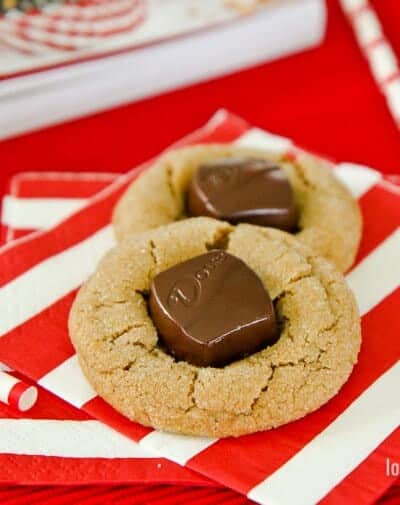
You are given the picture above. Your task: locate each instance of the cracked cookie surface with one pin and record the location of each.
(329, 218)
(119, 350)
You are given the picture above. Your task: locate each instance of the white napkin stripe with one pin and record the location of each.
(335, 452)
(7, 382)
(378, 275)
(68, 382)
(358, 179)
(177, 448)
(38, 213)
(63, 272)
(64, 438)
(392, 90)
(262, 139)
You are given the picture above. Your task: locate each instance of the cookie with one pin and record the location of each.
(122, 356)
(329, 220)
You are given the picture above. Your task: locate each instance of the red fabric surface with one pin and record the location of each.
(325, 99)
(121, 495)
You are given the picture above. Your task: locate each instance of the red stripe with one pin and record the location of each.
(392, 497)
(381, 215)
(101, 410)
(123, 495)
(354, 491)
(3, 234)
(42, 343)
(74, 186)
(13, 234)
(244, 462)
(21, 256)
(15, 394)
(43, 470)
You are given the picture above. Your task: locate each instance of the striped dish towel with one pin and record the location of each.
(338, 454)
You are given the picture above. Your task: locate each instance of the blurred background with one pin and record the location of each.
(162, 67)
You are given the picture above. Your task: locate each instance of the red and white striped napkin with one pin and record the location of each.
(336, 455)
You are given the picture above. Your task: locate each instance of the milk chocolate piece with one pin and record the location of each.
(243, 190)
(212, 310)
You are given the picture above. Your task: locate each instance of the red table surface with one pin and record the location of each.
(325, 99)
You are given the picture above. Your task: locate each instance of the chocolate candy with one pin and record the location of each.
(243, 190)
(212, 309)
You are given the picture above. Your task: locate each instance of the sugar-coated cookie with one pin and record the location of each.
(120, 351)
(329, 220)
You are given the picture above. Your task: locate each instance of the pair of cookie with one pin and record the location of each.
(222, 324)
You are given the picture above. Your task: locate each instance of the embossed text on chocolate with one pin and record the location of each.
(188, 290)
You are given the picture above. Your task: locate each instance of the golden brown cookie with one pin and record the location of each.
(329, 218)
(120, 353)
